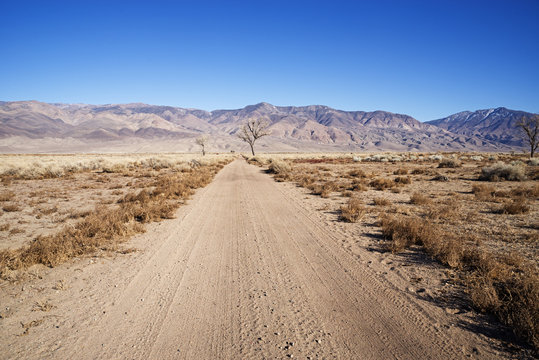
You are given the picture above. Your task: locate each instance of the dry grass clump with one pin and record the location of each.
(447, 211)
(505, 286)
(483, 192)
(418, 198)
(106, 227)
(358, 185)
(382, 183)
(404, 231)
(501, 171)
(256, 160)
(305, 181)
(11, 208)
(517, 206)
(400, 171)
(403, 180)
(508, 289)
(418, 171)
(386, 183)
(324, 190)
(357, 173)
(353, 211)
(7, 195)
(531, 192)
(381, 201)
(50, 210)
(449, 163)
(279, 167)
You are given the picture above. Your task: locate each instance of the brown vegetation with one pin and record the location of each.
(507, 287)
(418, 198)
(501, 171)
(461, 231)
(449, 163)
(353, 211)
(517, 206)
(108, 226)
(7, 195)
(11, 208)
(381, 201)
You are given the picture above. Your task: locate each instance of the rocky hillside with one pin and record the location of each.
(31, 126)
(498, 125)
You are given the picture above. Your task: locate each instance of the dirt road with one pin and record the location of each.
(243, 272)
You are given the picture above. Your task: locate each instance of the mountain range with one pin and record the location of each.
(32, 126)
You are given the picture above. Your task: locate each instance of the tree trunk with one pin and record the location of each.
(203, 151)
(252, 149)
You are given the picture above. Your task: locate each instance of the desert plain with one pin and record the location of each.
(304, 255)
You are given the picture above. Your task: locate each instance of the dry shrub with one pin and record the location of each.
(418, 198)
(506, 286)
(357, 173)
(256, 160)
(11, 208)
(440, 177)
(404, 232)
(382, 183)
(279, 167)
(4, 227)
(7, 195)
(381, 201)
(400, 171)
(508, 291)
(501, 171)
(531, 192)
(353, 211)
(447, 211)
(449, 163)
(324, 190)
(358, 185)
(305, 181)
(483, 192)
(50, 210)
(107, 226)
(78, 214)
(418, 171)
(403, 180)
(517, 206)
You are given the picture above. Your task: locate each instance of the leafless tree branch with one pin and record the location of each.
(252, 130)
(202, 141)
(530, 127)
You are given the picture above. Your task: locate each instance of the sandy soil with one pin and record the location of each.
(246, 270)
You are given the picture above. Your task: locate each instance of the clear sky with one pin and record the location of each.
(427, 59)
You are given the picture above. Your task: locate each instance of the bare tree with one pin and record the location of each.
(252, 130)
(202, 141)
(530, 127)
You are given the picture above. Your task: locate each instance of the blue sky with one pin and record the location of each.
(428, 59)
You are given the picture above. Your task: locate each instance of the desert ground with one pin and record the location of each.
(348, 256)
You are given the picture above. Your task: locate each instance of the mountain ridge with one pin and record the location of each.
(293, 127)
